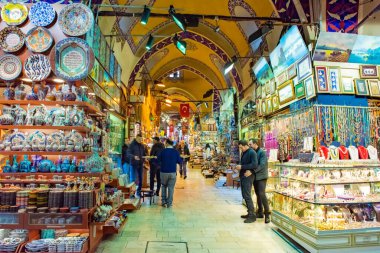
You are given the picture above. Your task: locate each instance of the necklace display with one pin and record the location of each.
(363, 152)
(324, 152)
(334, 153)
(343, 153)
(372, 152)
(354, 153)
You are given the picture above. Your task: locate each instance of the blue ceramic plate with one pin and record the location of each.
(76, 19)
(37, 67)
(42, 14)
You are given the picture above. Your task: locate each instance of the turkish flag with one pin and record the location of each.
(184, 110)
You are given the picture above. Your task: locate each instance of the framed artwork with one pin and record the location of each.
(258, 107)
(348, 85)
(263, 92)
(267, 87)
(300, 90)
(263, 107)
(275, 102)
(361, 87)
(286, 92)
(368, 71)
(292, 71)
(373, 85)
(304, 68)
(269, 105)
(309, 88)
(334, 80)
(281, 78)
(321, 73)
(258, 91)
(272, 86)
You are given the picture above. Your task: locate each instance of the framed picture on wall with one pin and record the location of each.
(361, 87)
(263, 107)
(258, 107)
(373, 85)
(267, 87)
(321, 77)
(309, 88)
(281, 78)
(269, 105)
(286, 92)
(300, 90)
(334, 80)
(275, 102)
(263, 92)
(292, 71)
(304, 68)
(348, 85)
(368, 71)
(258, 91)
(272, 86)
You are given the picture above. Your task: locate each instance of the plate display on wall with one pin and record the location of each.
(76, 19)
(72, 59)
(10, 67)
(42, 14)
(11, 39)
(39, 40)
(37, 67)
(14, 13)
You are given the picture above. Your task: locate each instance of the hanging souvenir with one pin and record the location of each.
(76, 19)
(42, 14)
(14, 13)
(11, 39)
(39, 40)
(37, 67)
(10, 67)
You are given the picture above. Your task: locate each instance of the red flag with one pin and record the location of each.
(184, 110)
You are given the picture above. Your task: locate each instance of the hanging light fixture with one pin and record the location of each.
(206, 104)
(168, 101)
(145, 15)
(229, 65)
(159, 84)
(180, 44)
(149, 44)
(177, 18)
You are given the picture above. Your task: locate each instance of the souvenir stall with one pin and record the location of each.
(52, 133)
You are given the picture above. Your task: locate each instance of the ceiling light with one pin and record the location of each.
(149, 44)
(84, 87)
(180, 44)
(169, 105)
(91, 93)
(159, 84)
(229, 65)
(206, 104)
(177, 18)
(168, 101)
(217, 29)
(58, 80)
(145, 15)
(111, 110)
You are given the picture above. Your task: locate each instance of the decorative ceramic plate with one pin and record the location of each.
(17, 138)
(39, 39)
(42, 14)
(72, 59)
(37, 139)
(37, 67)
(76, 19)
(14, 13)
(11, 39)
(10, 67)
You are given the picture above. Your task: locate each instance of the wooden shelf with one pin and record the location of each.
(87, 106)
(45, 153)
(55, 173)
(110, 230)
(65, 128)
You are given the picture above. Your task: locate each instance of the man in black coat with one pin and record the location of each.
(248, 164)
(260, 183)
(154, 164)
(184, 151)
(136, 151)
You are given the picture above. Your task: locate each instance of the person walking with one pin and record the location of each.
(248, 163)
(154, 165)
(136, 151)
(260, 182)
(125, 161)
(168, 159)
(184, 151)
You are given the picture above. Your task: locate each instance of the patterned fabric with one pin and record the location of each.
(342, 15)
(286, 9)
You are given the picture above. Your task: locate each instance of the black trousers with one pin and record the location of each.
(155, 173)
(262, 200)
(246, 189)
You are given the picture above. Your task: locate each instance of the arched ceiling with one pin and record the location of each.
(207, 50)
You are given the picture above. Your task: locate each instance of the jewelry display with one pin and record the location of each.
(354, 153)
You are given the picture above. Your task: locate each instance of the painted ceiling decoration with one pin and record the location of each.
(220, 65)
(156, 58)
(188, 35)
(287, 10)
(342, 15)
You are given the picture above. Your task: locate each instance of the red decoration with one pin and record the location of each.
(363, 153)
(184, 110)
(343, 153)
(171, 128)
(324, 152)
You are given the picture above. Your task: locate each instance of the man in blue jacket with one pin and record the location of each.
(168, 158)
(248, 164)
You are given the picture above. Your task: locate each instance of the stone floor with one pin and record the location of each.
(205, 217)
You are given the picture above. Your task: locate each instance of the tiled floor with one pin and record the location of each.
(206, 217)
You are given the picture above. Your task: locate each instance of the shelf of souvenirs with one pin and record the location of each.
(63, 128)
(341, 164)
(87, 106)
(85, 248)
(310, 198)
(327, 181)
(46, 153)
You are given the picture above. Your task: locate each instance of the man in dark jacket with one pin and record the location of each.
(168, 158)
(184, 151)
(154, 164)
(136, 151)
(248, 164)
(261, 176)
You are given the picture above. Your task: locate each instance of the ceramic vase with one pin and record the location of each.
(25, 164)
(7, 168)
(14, 165)
(9, 93)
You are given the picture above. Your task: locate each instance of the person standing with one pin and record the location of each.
(248, 163)
(184, 151)
(136, 151)
(168, 159)
(125, 161)
(260, 182)
(154, 165)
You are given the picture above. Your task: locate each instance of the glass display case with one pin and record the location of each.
(328, 206)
